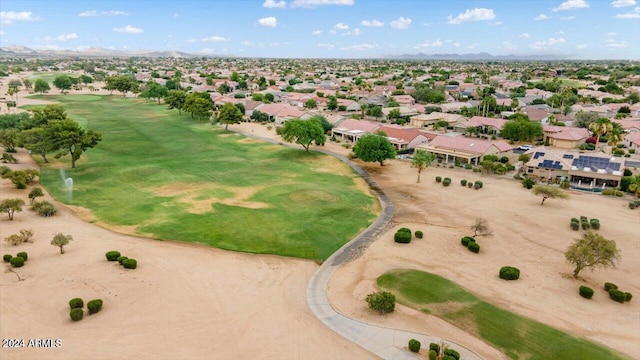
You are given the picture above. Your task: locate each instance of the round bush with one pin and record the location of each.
(608, 286)
(383, 302)
(404, 229)
(617, 295)
(17, 261)
(469, 184)
(76, 303)
(7, 257)
(402, 237)
(454, 354)
(419, 234)
(595, 224)
(433, 355)
(446, 182)
(121, 259)
(627, 296)
(509, 273)
(23, 255)
(463, 182)
(448, 357)
(575, 226)
(112, 255)
(466, 240)
(76, 314)
(94, 306)
(414, 345)
(44, 208)
(130, 264)
(473, 247)
(586, 292)
(438, 179)
(434, 347)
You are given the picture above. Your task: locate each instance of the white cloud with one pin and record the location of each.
(560, 32)
(215, 39)
(191, 41)
(541, 17)
(270, 21)
(544, 44)
(553, 41)
(611, 34)
(3, 32)
(496, 23)
(508, 46)
(316, 32)
(129, 30)
(374, 23)
(326, 46)
(274, 4)
(314, 3)
(524, 36)
(356, 31)
(476, 14)
(634, 15)
(571, 4)
(622, 3)
(89, 13)
(400, 23)
(66, 37)
(248, 43)
(341, 26)
(205, 51)
(7, 17)
(359, 47)
(456, 44)
(611, 43)
(581, 46)
(427, 44)
(567, 17)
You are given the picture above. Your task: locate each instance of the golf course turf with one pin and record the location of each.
(517, 336)
(173, 178)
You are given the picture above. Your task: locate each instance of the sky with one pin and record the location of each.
(580, 29)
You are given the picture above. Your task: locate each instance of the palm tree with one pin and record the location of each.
(600, 127)
(615, 135)
(422, 160)
(634, 185)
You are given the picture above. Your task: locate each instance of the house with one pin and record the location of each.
(564, 137)
(453, 106)
(484, 124)
(629, 125)
(404, 111)
(404, 100)
(424, 120)
(250, 106)
(547, 165)
(352, 130)
(281, 112)
(349, 105)
(463, 149)
(405, 138)
(632, 140)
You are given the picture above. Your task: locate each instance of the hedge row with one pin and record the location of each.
(470, 243)
(634, 204)
(615, 294)
(447, 181)
(133, 263)
(585, 222)
(76, 304)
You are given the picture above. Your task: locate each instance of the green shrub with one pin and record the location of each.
(586, 292)
(565, 184)
(477, 185)
(463, 182)
(617, 295)
(469, 184)
(414, 345)
(383, 302)
(454, 354)
(627, 296)
(585, 225)
(608, 192)
(595, 224)
(632, 205)
(446, 182)
(419, 234)
(94, 306)
(130, 263)
(468, 166)
(76, 314)
(44, 208)
(23, 255)
(575, 220)
(575, 226)
(112, 255)
(448, 357)
(404, 229)
(473, 247)
(608, 286)
(466, 240)
(402, 237)
(619, 193)
(76, 303)
(7, 257)
(509, 273)
(121, 259)
(17, 261)
(438, 179)
(433, 355)
(504, 159)
(434, 347)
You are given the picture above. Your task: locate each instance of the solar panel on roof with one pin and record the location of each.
(567, 156)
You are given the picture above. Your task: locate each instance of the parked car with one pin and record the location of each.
(525, 147)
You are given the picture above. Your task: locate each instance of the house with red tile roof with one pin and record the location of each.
(281, 112)
(564, 137)
(352, 130)
(464, 149)
(485, 124)
(404, 100)
(630, 125)
(632, 140)
(424, 120)
(405, 138)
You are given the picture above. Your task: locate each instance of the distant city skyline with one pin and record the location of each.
(577, 29)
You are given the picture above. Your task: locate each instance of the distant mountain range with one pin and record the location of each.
(24, 51)
(483, 56)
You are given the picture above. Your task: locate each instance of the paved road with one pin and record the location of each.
(387, 343)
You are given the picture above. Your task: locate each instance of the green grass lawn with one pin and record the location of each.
(170, 177)
(49, 76)
(517, 336)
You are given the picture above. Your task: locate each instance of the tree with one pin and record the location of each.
(422, 160)
(10, 206)
(229, 114)
(600, 127)
(332, 103)
(634, 185)
(34, 193)
(268, 97)
(374, 148)
(395, 113)
(86, 79)
(199, 104)
(549, 192)
(61, 240)
(121, 83)
(383, 302)
(8, 139)
(41, 86)
(27, 84)
(375, 111)
(67, 137)
(521, 130)
(34, 140)
(62, 82)
(303, 132)
(175, 99)
(310, 104)
(481, 228)
(15, 84)
(592, 250)
(153, 90)
(584, 119)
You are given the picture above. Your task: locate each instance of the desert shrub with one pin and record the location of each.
(632, 205)
(504, 159)
(438, 179)
(402, 237)
(586, 292)
(112, 255)
(7, 257)
(434, 347)
(575, 225)
(473, 247)
(627, 296)
(448, 357)
(76, 303)
(121, 259)
(463, 182)
(469, 184)
(617, 295)
(5, 171)
(585, 225)
(76, 314)
(477, 185)
(608, 286)
(419, 234)
(433, 355)
(528, 183)
(44, 208)
(466, 240)
(414, 345)
(446, 182)
(94, 306)
(454, 354)
(608, 192)
(383, 302)
(23, 255)
(595, 224)
(404, 229)
(509, 273)
(17, 261)
(632, 151)
(130, 263)
(565, 184)
(468, 166)
(619, 193)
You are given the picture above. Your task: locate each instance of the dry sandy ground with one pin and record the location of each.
(183, 301)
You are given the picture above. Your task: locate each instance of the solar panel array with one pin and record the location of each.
(596, 163)
(538, 154)
(567, 156)
(550, 164)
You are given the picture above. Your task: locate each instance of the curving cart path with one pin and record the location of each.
(387, 343)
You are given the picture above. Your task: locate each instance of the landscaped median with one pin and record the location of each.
(517, 336)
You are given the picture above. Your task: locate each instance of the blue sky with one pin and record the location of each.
(586, 29)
